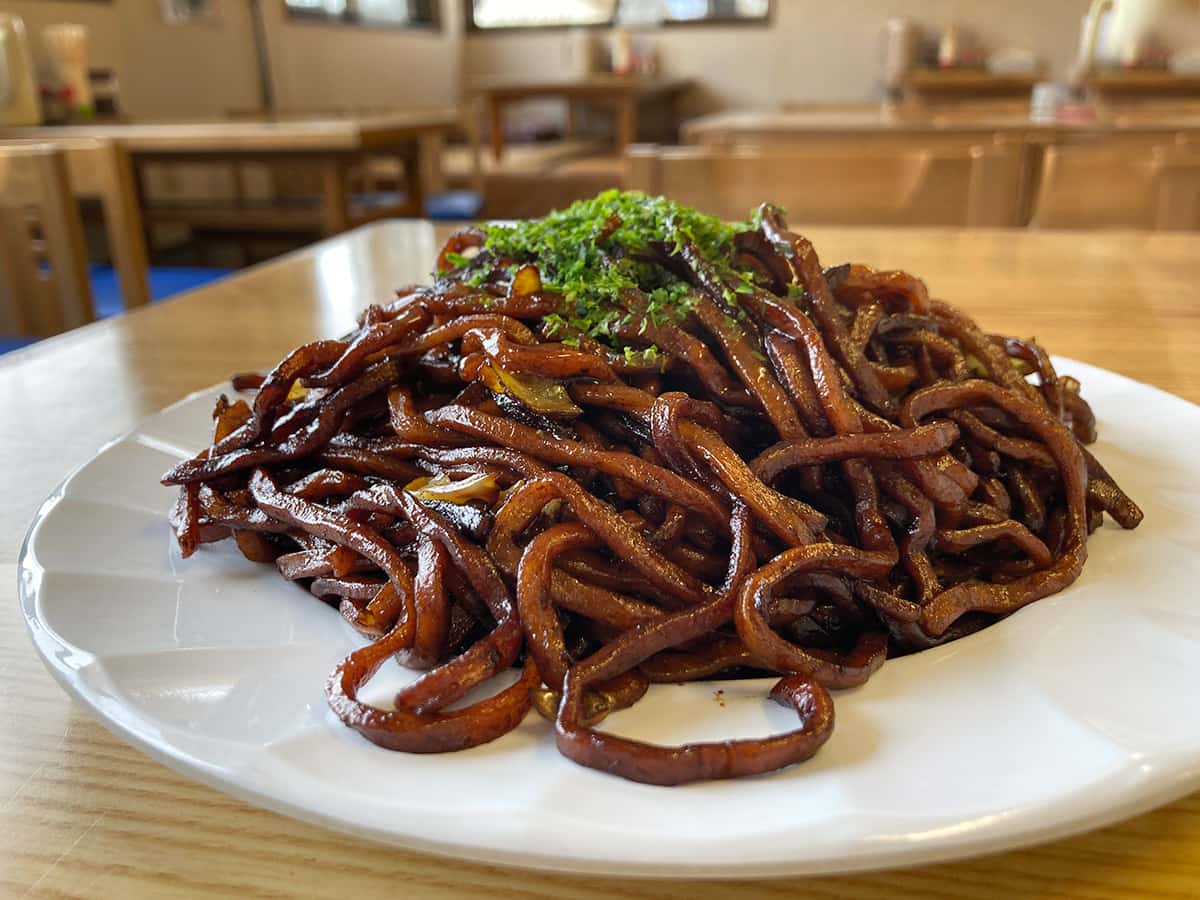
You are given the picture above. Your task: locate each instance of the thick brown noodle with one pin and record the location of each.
(849, 470)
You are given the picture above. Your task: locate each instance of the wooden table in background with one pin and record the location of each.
(624, 94)
(329, 145)
(946, 86)
(84, 815)
(1116, 86)
(883, 122)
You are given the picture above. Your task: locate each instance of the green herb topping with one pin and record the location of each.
(595, 250)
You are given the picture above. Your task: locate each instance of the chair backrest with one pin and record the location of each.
(103, 169)
(1107, 185)
(839, 182)
(1177, 204)
(44, 287)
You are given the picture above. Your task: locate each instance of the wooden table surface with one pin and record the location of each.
(299, 134)
(327, 145)
(879, 120)
(84, 815)
(641, 86)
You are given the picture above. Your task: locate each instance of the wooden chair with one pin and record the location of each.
(102, 169)
(839, 182)
(1177, 203)
(44, 287)
(1102, 185)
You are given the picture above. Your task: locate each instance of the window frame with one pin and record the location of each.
(468, 7)
(351, 18)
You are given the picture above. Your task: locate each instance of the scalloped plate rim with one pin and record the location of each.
(1175, 775)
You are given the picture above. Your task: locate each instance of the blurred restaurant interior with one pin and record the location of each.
(201, 136)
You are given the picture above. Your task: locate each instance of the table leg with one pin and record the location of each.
(335, 217)
(572, 124)
(495, 107)
(626, 122)
(674, 102)
(410, 158)
(474, 142)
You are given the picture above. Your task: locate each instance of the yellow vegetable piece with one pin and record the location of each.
(543, 395)
(527, 281)
(442, 487)
(975, 367)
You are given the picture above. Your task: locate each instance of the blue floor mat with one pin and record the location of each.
(11, 343)
(164, 282)
(106, 291)
(453, 206)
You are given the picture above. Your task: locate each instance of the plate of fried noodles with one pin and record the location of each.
(639, 542)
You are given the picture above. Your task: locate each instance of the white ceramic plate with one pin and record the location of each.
(1075, 712)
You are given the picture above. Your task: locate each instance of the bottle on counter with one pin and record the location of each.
(67, 47)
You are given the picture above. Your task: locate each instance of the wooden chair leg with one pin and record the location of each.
(141, 195)
(123, 224)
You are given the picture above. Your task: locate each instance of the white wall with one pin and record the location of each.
(206, 70)
(164, 70)
(321, 66)
(811, 50)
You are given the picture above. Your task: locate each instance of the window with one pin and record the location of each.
(366, 12)
(715, 10)
(535, 13)
(490, 14)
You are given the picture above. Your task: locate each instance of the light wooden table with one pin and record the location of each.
(1115, 86)
(626, 95)
(886, 122)
(948, 86)
(84, 815)
(329, 145)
